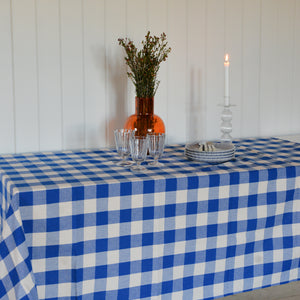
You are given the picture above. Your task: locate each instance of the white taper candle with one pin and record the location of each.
(226, 83)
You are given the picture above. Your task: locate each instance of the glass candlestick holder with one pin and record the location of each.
(226, 124)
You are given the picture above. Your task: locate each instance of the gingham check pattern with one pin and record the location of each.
(76, 226)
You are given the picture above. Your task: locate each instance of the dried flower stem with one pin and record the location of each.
(144, 63)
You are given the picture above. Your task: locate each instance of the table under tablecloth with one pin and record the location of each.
(74, 225)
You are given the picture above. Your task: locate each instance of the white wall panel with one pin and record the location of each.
(73, 107)
(157, 24)
(196, 70)
(49, 75)
(116, 78)
(7, 128)
(94, 72)
(25, 75)
(215, 36)
(269, 68)
(233, 45)
(136, 29)
(177, 75)
(295, 106)
(284, 64)
(250, 116)
(63, 82)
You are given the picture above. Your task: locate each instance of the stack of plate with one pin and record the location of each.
(222, 152)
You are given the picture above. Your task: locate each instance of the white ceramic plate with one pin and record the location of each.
(219, 147)
(209, 154)
(212, 160)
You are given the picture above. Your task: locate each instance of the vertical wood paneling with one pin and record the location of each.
(72, 74)
(284, 64)
(177, 83)
(94, 73)
(116, 78)
(25, 75)
(215, 66)
(269, 67)
(63, 81)
(295, 107)
(49, 79)
(136, 29)
(196, 70)
(250, 124)
(233, 46)
(7, 134)
(157, 24)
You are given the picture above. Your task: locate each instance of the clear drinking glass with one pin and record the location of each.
(122, 139)
(138, 150)
(156, 147)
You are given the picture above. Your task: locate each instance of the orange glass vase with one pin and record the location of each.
(144, 121)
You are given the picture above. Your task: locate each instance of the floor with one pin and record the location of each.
(289, 291)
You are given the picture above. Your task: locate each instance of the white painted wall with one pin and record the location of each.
(63, 81)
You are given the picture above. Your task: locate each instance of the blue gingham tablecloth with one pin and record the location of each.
(76, 226)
